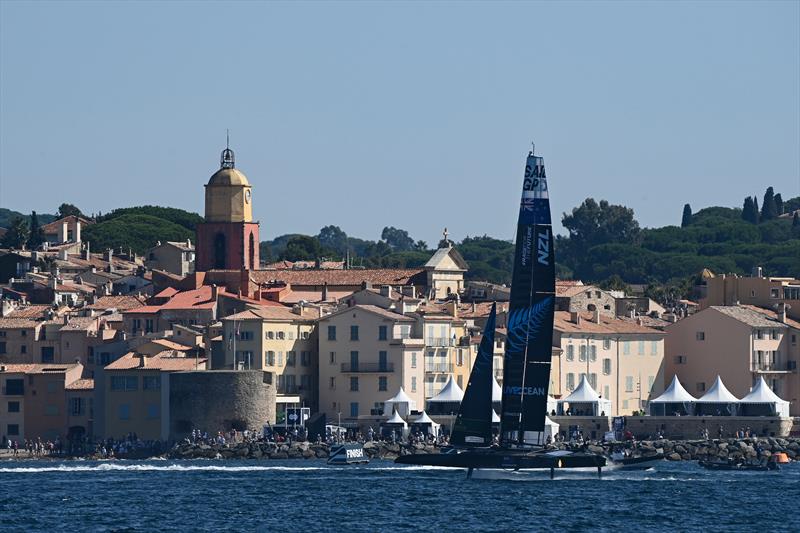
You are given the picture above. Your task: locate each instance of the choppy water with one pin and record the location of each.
(311, 496)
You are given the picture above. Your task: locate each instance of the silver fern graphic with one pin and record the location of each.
(525, 323)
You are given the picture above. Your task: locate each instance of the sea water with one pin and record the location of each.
(309, 495)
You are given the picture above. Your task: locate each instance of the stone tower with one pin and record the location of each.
(228, 239)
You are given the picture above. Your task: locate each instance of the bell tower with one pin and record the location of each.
(228, 238)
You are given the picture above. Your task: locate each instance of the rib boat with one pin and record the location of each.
(526, 370)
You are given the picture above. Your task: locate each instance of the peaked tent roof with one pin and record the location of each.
(761, 393)
(495, 417)
(451, 392)
(424, 419)
(718, 393)
(396, 419)
(497, 392)
(675, 393)
(584, 393)
(400, 397)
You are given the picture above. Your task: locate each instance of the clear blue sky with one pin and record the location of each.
(406, 114)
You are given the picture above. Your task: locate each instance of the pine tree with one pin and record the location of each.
(768, 209)
(36, 236)
(756, 213)
(17, 234)
(779, 203)
(687, 216)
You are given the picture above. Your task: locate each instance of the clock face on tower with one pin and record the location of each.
(247, 196)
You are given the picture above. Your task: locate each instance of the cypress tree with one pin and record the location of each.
(768, 209)
(756, 213)
(687, 216)
(36, 236)
(750, 210)
(779, 203)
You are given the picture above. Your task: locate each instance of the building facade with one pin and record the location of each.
(622, 360)
(740, 344)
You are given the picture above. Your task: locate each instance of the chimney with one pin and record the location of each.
(63, 254)
(386, 290)
(110, 259)
(474, 307)
(189, 243)
(758, 272)
(575, 318)
(452, 308)
(77, 230)
(596, 316)
(66, 319)
(214, 292)
(35, 256)
(87, 254)
(63, 232)
(639, 321)
(325, 292)
(142, 360)
(782, 312)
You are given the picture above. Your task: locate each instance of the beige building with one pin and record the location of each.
(44, 401)
(135, 395)
(366, 354)
(758, 290)
(740, 344)
(174, 257)
(584, 298)
(279, 340)
(622, 359)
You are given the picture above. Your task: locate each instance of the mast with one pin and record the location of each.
(526, 369)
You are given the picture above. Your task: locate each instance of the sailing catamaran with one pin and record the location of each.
(526, 370)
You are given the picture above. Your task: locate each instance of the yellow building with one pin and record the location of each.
(623, 360)
(279, 340)
(366, 355)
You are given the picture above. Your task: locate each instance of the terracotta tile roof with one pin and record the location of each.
(283, 314)
(384, 276)
(166, 361)
(30, 311)
(37, 368)
(55, 225)
(772, 315)
(120, 303)
(748, 315)
(172, 345)
(18, 323)
(166, 293)
(607, 325)
(563, 286)
(80, 323)
(81, 384)
(182, 245)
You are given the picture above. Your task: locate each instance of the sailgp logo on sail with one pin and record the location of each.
(543, 246)
(527, 391)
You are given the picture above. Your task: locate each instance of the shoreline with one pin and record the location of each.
(673, 450)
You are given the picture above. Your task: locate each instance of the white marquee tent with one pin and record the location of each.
(673, 400)
(762, 401)
(448, 400)
(497, 394)
(425, 424)
(584, 401)
(718, 400)
(400, 403)
(395, 425)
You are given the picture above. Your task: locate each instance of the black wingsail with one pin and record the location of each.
(473, 425)
(526, 372)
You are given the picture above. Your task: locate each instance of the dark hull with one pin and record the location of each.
(635, 463)
(504, 459)
(740, 467)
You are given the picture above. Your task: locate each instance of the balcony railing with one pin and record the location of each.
(439, 341)
(442, 368)
(367, 367)
(789, 366)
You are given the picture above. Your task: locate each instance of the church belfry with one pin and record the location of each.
(228, 238)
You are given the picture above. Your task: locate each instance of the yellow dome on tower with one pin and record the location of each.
(228, 193)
